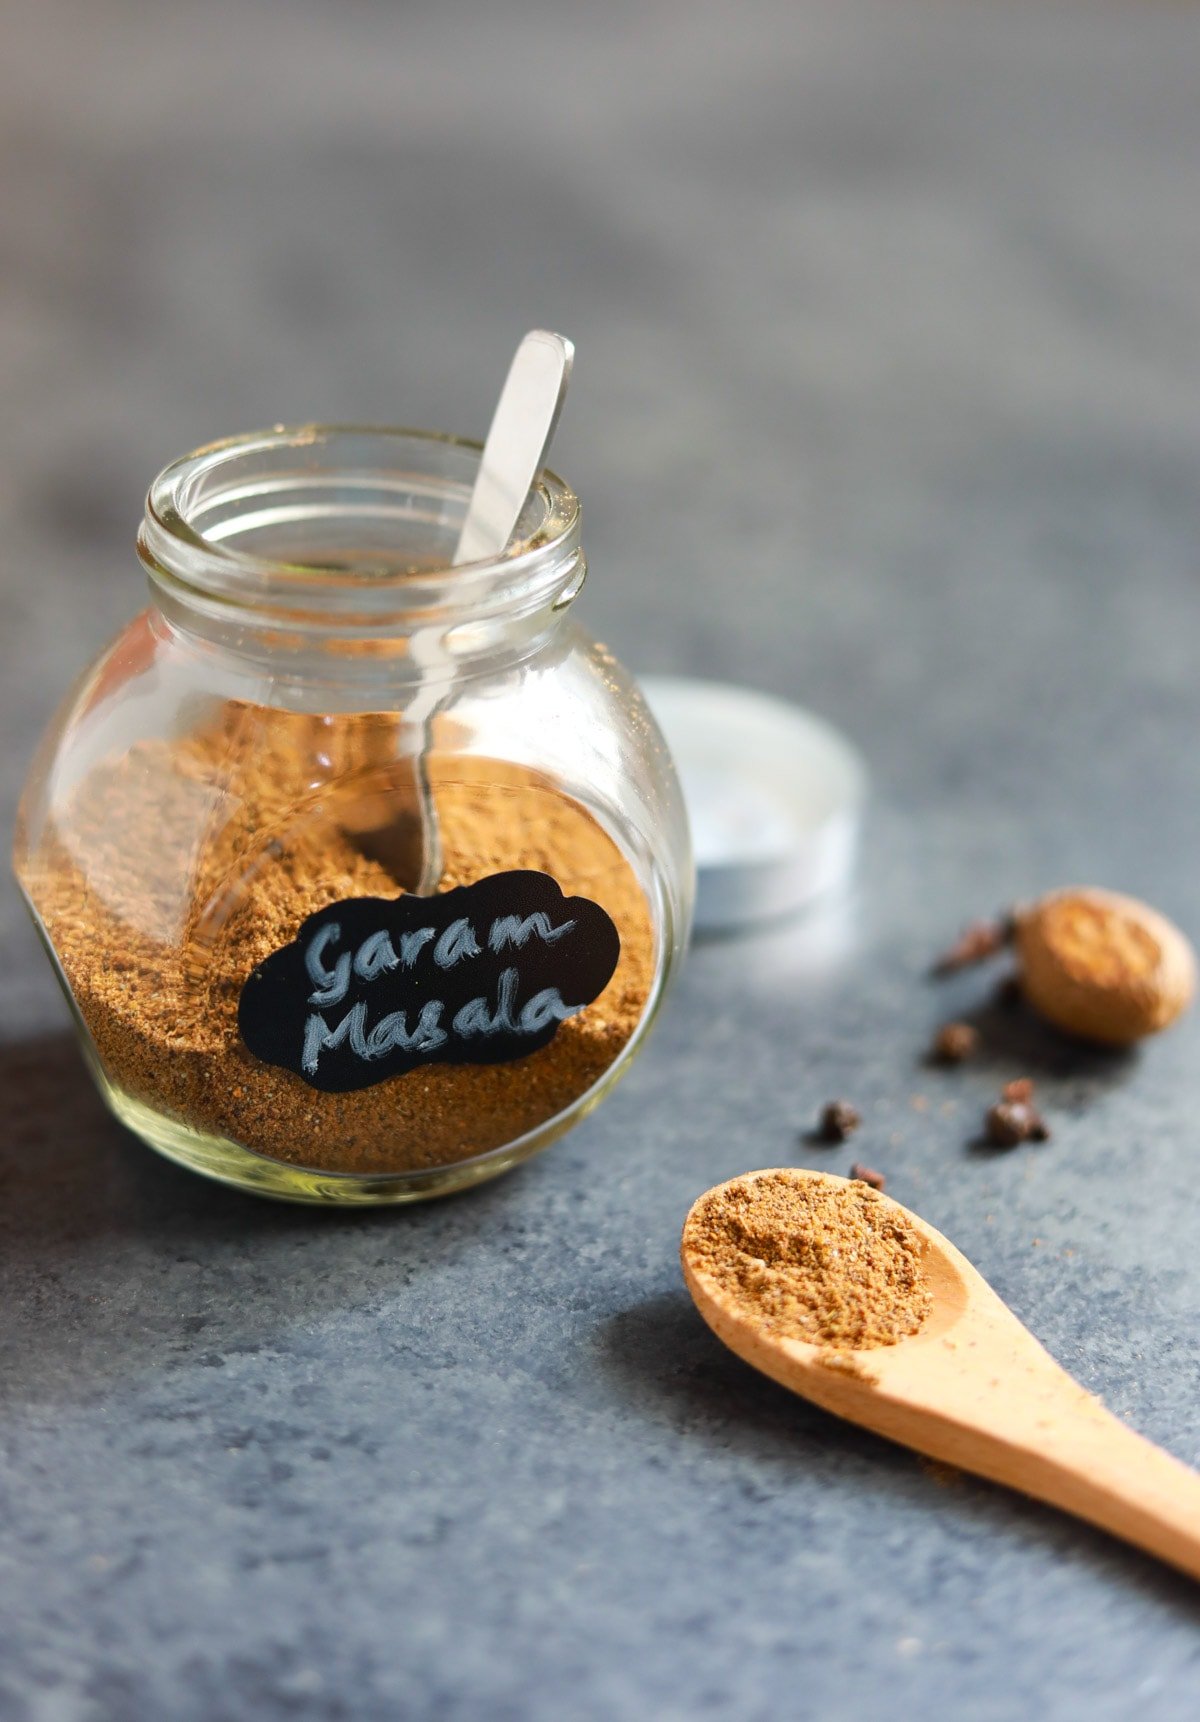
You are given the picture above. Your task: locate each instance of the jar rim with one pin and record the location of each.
(177, 551)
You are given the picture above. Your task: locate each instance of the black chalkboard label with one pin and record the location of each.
(372, 987)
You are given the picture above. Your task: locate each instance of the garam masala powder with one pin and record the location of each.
(171, 871)
(831, 1263)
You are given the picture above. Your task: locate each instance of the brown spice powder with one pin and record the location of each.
(176, 868)
(830, 1263)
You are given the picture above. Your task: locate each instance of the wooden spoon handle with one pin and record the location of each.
(1046, 1436)
(1093, 1465)
(1032, 1427)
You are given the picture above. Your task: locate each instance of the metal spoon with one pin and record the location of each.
(523, 424)
(974, 1388)
(522, 427)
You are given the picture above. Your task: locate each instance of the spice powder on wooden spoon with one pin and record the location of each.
(830, 1266)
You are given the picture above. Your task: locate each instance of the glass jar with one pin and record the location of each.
(364, 874)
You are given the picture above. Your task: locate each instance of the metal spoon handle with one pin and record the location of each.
(522, 426)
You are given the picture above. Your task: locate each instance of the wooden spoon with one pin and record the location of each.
(974, 1388)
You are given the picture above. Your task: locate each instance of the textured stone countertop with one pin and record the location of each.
(887, 400)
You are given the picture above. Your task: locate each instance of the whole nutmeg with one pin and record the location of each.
(1103, 966)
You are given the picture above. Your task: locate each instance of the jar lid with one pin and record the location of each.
(773, 793)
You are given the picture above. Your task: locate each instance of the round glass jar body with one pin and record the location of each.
(364, 874)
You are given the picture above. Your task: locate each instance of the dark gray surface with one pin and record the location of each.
(888, 399)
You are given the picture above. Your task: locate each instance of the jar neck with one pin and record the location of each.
(327, 550)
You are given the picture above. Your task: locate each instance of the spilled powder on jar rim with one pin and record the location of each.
(831, 1264)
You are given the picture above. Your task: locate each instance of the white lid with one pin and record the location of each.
(774, 796)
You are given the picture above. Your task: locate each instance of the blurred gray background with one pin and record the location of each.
(887, 399)
(872, 305)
